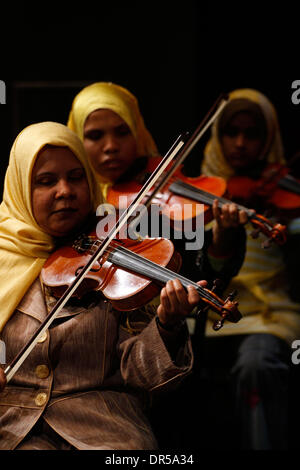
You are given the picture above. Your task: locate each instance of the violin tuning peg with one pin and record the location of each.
(218, 324)
(217, 284)
(232, 295)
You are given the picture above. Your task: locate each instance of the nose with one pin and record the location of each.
(110, 144)
(240, 140)
(64, 189)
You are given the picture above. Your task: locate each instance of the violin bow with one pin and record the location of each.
(12, 368)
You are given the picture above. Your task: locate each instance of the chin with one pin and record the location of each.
(237, 162)
(112, 177)
(60, 232)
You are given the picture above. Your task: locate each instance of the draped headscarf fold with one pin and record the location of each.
(214, 162)
(107, 95)
(24, 246)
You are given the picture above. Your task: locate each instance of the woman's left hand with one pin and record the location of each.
(176, 303)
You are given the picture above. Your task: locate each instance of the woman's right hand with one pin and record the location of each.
(2, 379)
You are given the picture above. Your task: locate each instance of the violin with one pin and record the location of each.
(120, 275)
(276, 188)
(275, 232)
(183, 192)
(176, 207)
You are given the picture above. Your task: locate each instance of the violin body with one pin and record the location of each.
(125, 289)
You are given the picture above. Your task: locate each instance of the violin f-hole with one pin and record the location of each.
(93, 270)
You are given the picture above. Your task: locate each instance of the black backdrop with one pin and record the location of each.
(176, 57)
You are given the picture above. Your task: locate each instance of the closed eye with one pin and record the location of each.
(76, 175)
(45, 180)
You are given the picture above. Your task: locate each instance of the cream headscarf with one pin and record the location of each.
(214, 162)
(106, 95)
(24, 247)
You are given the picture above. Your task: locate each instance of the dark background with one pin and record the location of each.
(176, 57)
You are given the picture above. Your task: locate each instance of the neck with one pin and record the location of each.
(138, 166)
(253, 171)
(86, 227)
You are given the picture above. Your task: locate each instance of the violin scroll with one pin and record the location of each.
(275, 232)
(228, 312)
(227, 309)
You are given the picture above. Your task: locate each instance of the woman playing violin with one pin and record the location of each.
(85, 383)
(244, 140)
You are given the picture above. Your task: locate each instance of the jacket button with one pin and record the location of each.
(40, 399)
(42, 371)
(43, 337)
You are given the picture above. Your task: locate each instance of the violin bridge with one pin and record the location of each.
(83, 244)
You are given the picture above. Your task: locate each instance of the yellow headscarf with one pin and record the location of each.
(214, 162)
(24, 247)
(106, 95)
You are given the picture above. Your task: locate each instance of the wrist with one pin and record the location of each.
(170, 327)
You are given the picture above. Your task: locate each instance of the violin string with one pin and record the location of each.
(205, 196)
(139, 264)
(165, 273)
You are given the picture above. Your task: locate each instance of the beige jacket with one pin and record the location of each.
(86, 377)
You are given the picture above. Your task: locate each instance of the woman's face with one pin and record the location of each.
(242, 141)
(109, 144)
(60, 194)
